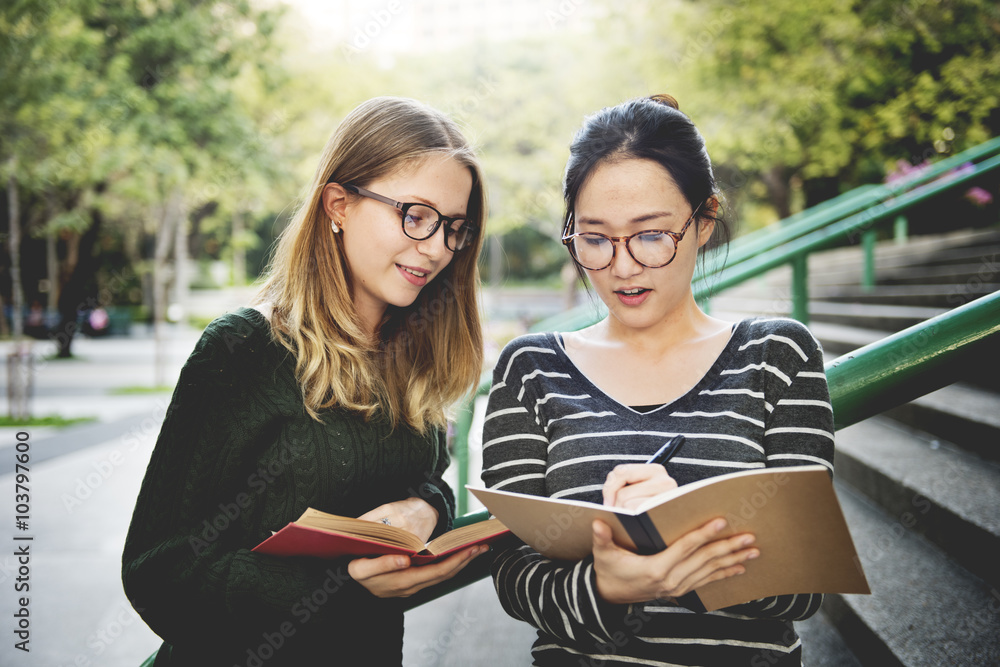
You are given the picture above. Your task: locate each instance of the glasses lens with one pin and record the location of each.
(420, 221)
(458, 235)
(652, 248)
(592, 251)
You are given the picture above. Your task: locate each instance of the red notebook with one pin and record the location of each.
(323, 535)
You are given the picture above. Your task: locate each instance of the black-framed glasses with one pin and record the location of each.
(420, 221)
(653, 248)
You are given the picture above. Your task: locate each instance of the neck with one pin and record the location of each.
(371, 319)
(686, 323)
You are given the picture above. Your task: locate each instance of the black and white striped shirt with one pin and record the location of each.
(550, 431)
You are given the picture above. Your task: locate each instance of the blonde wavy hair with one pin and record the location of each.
(426, 356)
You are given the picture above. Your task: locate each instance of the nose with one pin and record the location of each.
(622, 264)
(433, 247)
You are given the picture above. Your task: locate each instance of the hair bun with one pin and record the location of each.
(667, 100)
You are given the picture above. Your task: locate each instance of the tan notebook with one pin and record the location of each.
(805, 546)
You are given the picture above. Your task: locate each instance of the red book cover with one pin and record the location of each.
(297, 539)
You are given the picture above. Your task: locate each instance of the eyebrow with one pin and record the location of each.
(641, 218)
(420, 200)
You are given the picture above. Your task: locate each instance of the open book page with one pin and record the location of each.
(470, 534)
(379, 532)
(713, 481)
(555, 527)
(370, 530)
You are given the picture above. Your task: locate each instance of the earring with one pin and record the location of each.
(333, 225)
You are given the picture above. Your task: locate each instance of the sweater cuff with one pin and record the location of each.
(437, 499)
(613, 617)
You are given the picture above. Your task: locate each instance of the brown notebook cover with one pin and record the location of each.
(805, 546)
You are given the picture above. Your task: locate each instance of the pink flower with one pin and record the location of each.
(979, 196)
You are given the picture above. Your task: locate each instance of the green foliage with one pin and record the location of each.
(110, 107)
(813, 92)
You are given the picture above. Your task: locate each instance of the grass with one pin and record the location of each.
(141, 389)
(57, 358)
(50, 420)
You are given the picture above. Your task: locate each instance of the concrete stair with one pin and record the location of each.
(919, 484)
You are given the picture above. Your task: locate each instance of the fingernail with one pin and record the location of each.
(719, 525)
(747, 541)
(400, 562)
(753, 554)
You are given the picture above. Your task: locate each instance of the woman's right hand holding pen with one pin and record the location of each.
(697, 558)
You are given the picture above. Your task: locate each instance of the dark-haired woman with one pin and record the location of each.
(576, 415)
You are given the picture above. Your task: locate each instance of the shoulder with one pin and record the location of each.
(243, 322)
(530, 344)
(536, 349)
(780, 336)
(231, 340)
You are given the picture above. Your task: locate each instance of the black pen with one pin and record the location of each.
(667, 450)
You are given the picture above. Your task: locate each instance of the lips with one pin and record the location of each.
(632, 296)
(413, 274)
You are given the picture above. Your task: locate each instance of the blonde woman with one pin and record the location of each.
(330, 392)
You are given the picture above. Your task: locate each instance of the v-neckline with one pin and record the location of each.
(558, 343)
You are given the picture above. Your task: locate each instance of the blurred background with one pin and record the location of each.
(152, 150)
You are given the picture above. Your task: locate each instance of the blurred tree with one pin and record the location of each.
(809, 98)
(520, 104)
(128, 111)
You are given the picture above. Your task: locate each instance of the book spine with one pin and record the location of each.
(648, 541)
(643, 533)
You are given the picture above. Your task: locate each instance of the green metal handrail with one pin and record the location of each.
(834, 233)
(849, 203)
(863, 383)
(914, 362)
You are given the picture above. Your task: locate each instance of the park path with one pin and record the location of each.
(84, 480)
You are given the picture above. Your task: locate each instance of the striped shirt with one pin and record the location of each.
(550, 431)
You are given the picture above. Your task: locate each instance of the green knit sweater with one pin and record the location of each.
(238, 457)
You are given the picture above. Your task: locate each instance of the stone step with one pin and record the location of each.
(978, 251)
(889, 256)
(925, 610)
(930, 487)
(967, 273)
(951, 274)
(933, 296)
(964, 415)
(822, 645)
(839, 339)
(882, 317)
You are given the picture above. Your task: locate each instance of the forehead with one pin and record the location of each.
(628, 188)
(440, 180)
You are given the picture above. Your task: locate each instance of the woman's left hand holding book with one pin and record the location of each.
(392, 575)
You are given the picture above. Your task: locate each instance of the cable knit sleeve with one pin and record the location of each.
(437, 492)
(187, 565)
